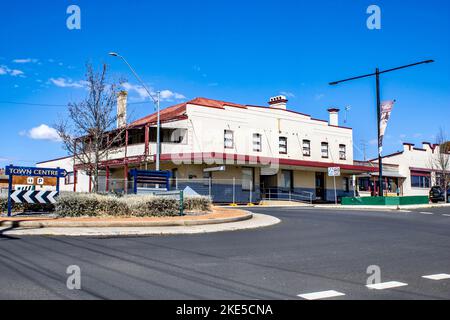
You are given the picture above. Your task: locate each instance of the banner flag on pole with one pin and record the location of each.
(386, 110)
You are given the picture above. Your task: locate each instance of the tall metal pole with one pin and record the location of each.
(158, 133)
(377, 75)
(380, 158)
(156, 101)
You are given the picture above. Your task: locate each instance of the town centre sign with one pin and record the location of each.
(32, 196)
(35, 172)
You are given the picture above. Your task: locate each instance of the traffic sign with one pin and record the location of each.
(34, 197)
(334, 172)
(35, 172)
(28, 174)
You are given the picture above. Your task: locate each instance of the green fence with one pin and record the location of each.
(385, 201)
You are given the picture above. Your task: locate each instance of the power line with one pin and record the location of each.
(53, 105)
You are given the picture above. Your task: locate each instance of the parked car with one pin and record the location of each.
(438, 194)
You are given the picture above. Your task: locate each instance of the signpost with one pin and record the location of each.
(334, 172)
(41, 176)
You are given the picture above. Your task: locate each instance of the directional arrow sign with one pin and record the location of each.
(33, 197)
(15, 196)
(51, 197)
(27, 196)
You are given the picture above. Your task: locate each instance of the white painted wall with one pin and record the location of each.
(67, 164)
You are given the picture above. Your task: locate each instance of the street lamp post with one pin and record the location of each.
(156, 101)
(377, 78)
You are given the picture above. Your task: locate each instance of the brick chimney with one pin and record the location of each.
(334, 117)
(278, 102)
(122, 109)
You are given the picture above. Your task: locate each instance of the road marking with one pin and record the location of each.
(427, 213)
(446, 215)
(386, 285)
(406, 211)
(441, 276)
(321, 295)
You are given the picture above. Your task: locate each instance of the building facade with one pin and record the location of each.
(411, 172)
(254, 151)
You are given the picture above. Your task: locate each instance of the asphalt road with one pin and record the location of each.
(312, 250)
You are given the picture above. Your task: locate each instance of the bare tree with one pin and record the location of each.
(89, 132)
(441, 161)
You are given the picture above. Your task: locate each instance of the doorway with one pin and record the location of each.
(320, 186)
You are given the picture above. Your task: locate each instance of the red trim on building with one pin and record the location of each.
(197, 157)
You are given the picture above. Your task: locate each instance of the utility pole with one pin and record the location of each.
(377, 78)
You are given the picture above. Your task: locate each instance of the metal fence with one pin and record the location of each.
(219, 190)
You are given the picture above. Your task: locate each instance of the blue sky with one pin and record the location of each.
(240, 51)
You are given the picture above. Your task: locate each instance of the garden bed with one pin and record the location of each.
(93, 205)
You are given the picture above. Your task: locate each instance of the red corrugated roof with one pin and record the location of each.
(178, 111)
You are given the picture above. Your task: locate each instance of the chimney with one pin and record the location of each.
(408, 146)
(122, 109)
(278, 102)
(334, 117)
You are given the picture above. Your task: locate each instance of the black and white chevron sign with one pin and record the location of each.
(34, 197)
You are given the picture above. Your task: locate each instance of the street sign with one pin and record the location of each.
(34, 197)
(35, 172)
(334, 172)
(32, 176)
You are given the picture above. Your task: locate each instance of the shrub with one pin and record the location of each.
(77, 204)
(202, 204)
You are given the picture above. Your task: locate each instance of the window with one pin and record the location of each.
(247, 179)
(257, 142)
(342, 152)
(324, 149)
(228, 139)
(283, 145)
(306, 148)
(70, 178)
(420, 179)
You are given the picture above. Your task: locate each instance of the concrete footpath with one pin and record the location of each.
(254, 222)
(219, 220)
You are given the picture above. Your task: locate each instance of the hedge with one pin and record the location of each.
(82, 204)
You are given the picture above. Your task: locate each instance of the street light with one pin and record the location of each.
(377, 78)
(156, 101)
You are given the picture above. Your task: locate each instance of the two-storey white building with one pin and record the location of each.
(261, 149)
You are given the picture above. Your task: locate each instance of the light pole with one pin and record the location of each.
(377, 79)
(156, 101)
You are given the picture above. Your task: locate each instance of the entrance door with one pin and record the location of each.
(320, 186)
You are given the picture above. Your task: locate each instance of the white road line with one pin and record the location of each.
(406, 211)
(321, 295)
(386, 285)
(441, 276)
(446, 215)
(427, 213)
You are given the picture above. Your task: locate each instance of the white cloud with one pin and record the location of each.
(28, 60)
(42, 132)
(4, 70)
(169, 95)
(166, 95)
(136, 89)
(288, 94)
(67, 83)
